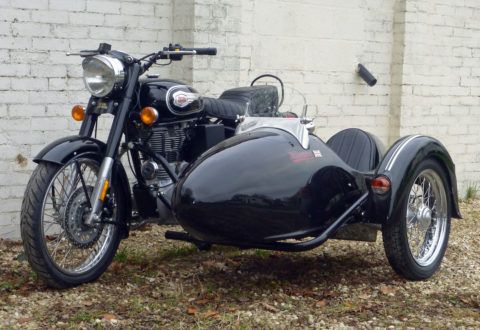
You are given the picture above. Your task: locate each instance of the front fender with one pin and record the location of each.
(62, 150)
(399, 165)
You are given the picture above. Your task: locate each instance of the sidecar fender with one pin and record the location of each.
(399, 165)
(62, 150)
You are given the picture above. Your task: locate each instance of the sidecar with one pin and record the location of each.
(276, 186)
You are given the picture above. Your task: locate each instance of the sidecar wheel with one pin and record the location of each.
(59, 247)
(416, 238)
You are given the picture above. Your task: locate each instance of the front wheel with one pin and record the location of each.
(62, 250)
(416, 238)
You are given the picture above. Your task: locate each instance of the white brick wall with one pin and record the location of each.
(39, 84)
(425, 54)
(441, 79)
(313, 46)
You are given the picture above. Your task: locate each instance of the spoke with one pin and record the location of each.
(54, 200)
(54, 222)
(59, 238)
(429, 194)
(60, 195)
(410, 221)
(66, 255)
(60, 245)
(84, 186)
(50, 226)
(93, 176)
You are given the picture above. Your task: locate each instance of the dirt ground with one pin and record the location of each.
(154, 283)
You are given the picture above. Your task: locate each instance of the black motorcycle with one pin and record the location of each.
(78, 204)
(244, 175)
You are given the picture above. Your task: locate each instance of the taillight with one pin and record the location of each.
(381, 185)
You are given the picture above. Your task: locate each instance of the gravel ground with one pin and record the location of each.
(163, 284)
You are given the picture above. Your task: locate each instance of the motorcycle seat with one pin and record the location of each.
(357, 148)
(262, 101)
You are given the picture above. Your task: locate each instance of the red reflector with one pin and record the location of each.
(381, 184)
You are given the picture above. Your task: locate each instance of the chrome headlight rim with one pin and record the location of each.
(118, 74)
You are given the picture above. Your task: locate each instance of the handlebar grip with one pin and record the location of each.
(205, 51)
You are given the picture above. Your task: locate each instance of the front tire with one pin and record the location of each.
(59, 247)
(416, 238)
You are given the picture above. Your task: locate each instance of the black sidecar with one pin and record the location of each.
(275, 182)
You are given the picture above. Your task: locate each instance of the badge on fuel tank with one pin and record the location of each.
(183, 100)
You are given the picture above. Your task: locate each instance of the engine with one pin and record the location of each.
(166, 140)
(178, 105)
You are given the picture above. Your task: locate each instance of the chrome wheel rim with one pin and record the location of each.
(63, 234)
(426, 217)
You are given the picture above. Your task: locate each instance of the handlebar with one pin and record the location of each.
(176, 52)
(203, 51)
(172, 53)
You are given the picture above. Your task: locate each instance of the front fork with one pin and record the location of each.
(114, 137)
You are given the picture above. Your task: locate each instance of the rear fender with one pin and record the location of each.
(63, 150)
(399, 165)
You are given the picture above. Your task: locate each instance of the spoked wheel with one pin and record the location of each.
(59, 246)
(416, 238)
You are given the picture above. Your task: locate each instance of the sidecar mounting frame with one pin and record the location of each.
(281, 246)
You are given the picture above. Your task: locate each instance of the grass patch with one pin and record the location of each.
(471, 192)
(83, 315)
(177, 252)
(262, 253)
(130, 256)
(6, 286)
(122, 255)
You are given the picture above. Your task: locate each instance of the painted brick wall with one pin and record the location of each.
(424, 53)
(39, 84)
(313, 46)
(441, 79)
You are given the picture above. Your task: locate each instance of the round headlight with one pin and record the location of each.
(102, 74)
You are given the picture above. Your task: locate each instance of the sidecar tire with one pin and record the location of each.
(33, 244)
(394, 231)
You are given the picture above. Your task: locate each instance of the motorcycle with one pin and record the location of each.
(78, 203)
(270, 183)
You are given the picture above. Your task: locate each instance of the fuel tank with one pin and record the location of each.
(171, 98)
(264, 186)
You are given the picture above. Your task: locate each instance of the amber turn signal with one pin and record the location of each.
(381, 185)
(148, 115)
(78, 112)
(104, 190)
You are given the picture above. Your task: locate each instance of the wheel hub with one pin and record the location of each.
(77, 210)
(424, 217)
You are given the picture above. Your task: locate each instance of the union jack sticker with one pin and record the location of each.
(317, 153)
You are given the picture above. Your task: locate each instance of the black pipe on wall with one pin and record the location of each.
(366, 75)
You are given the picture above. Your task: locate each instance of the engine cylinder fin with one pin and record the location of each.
(166, 140)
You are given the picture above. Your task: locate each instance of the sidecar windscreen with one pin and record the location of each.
(235, 102)
(260, 101)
